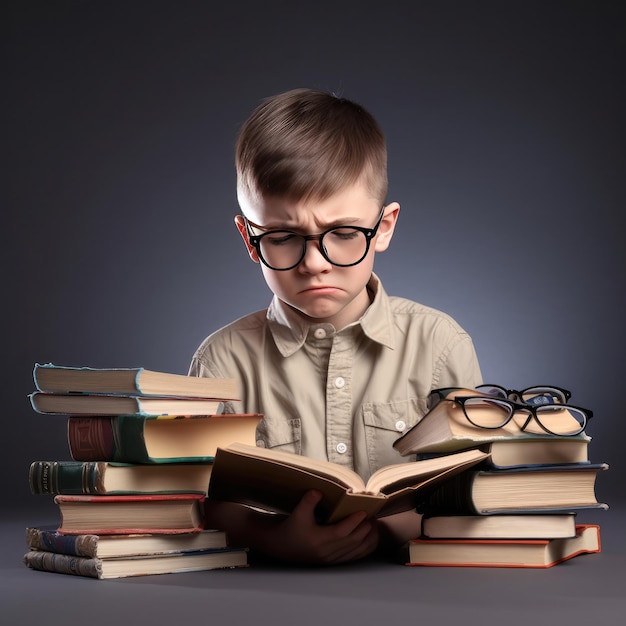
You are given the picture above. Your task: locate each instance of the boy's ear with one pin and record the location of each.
(387, 226)
(243, 231)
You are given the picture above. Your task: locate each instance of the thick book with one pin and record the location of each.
(105, 515)
(140, 565)
(130, 381)
(108, 478)
(275, 480)
(446, 429)
(552, 450)
(499, 526)
(99, 404)
(539, 553)
(49, 539)
(137, 439)
(520, 451)
(547, 488)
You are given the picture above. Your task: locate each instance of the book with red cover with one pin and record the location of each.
(101, 515)
(532, 553)
(138, 439)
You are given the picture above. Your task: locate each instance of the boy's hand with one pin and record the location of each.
(300, 538)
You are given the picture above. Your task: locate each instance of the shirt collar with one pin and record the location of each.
(290, 331)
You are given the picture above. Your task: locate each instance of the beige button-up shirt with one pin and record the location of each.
(346, 395)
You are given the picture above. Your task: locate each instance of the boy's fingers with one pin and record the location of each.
(306, 507)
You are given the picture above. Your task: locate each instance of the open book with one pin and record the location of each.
(275, 481)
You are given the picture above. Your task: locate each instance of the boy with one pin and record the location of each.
(338, 368)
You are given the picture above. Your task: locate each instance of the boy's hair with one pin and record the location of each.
(308, 144)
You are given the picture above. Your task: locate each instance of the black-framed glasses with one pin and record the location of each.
(342, 246)
(484, 411)
(539, 394)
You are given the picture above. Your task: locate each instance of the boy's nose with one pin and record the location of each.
(314, 261)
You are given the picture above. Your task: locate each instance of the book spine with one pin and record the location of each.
(91, 438)
(63, 564)
(53, 477)
(53, 541)
(451, 497)
(118, 438)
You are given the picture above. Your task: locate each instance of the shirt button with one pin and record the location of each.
(342, 448)
(260, 443)
(340, 382)
(319, 333)
(400, 425)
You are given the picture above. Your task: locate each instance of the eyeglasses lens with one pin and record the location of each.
(487, 412)
(543, 395)
(561, 420)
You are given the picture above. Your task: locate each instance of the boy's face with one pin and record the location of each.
(315, 288)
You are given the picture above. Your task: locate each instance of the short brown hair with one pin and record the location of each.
(309, 144)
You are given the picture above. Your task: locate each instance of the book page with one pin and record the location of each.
(335, 472)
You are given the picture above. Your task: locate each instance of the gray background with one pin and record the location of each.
(505, 129)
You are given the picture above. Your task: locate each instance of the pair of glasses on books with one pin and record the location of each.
(543, 407)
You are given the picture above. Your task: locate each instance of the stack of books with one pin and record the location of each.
(131, 500)
(517, 508)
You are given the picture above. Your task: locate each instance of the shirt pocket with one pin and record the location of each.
(285, 435)
(384, 422)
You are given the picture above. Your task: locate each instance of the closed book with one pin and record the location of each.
(103, 515)
(546, 488)
(49, 539)
(552, 450)
(521, 451)
(130, 381)
(108, 478)
(139, 565)
(98, 404)
(538, 553)
(445, 429)
(504, 526)
(138, 439)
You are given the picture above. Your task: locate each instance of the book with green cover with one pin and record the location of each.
(103, 477)
(138, 439)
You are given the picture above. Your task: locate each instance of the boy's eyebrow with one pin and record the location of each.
(345, 221)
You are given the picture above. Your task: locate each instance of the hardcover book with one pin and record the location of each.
(102, 515)
(552, 450)
(502, 552)
(446, 429)
(138, 565)
(137, 439)
(504, 526)
(108, 478)
(276, 481)
(49, 539)
(99, 404)
(521, 451)
(546, 488)
(130, 381)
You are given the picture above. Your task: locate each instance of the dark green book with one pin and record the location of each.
(108, 478)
